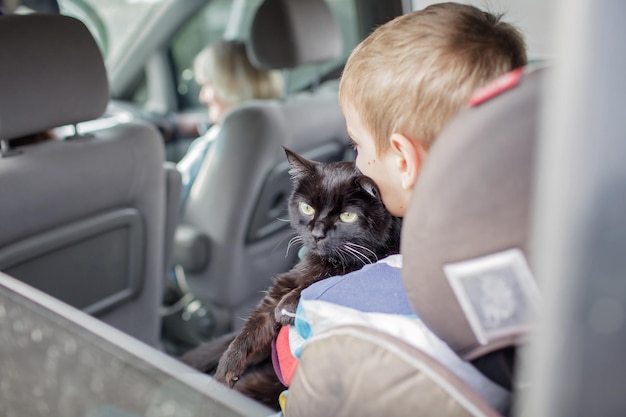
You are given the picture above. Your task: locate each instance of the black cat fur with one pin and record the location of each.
(333, 247)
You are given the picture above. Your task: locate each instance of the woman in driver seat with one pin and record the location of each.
(228, 79)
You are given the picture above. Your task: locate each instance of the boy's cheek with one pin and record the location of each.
(358, 160)
(366, 163)
(369, 168)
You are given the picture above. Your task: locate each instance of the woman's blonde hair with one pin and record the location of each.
(411, 75)
(226, 66)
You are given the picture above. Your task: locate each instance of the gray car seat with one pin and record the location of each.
(234, 235)
(465, 247)
(81, 218)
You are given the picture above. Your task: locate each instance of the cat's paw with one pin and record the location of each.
(284, 317)
(227, 378)
(229, 369)
(284, 313)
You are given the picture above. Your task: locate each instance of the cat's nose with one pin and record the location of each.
(318, 233)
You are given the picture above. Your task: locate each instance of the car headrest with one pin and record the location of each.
(465, 240)
(289, 33)
(52, 74)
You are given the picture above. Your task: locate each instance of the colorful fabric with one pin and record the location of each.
(284, 362)
(282, 401)
(276, 363)
(374, 288)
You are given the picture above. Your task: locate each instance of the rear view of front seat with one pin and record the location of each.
(239, 198)
(465, 246)
(82, 218)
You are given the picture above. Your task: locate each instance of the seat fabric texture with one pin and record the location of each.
(392, 378)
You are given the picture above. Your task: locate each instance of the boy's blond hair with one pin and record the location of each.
(226, 66)
(412, 74)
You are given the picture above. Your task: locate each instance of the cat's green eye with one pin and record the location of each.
(306, 209)
(347, 217)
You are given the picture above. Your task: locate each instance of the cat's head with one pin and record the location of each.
(337, 211)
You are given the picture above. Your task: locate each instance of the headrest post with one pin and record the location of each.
(287, 79)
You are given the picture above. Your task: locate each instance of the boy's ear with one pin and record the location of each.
(410, 156)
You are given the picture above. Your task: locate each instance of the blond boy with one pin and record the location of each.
(404, 82)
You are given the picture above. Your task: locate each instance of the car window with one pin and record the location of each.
(210, 25)
(111, 22)
(116, 23)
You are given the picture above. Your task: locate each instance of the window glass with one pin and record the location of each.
(206, 27)
(210, 24)
(112, 22)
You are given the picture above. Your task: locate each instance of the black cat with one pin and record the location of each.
(340, 219)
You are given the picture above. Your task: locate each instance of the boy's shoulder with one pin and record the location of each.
(376, 287)
(388, 268)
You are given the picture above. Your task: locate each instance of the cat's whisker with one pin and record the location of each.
(283, 239)
(294, 240)
(366, 256)
(341, 256)
(345, 257)
(355, 245)
(283, 220)
(348, 256)
(358, 255)
(370, 258)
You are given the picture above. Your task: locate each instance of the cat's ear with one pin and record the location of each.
(369, 186)
(299, 166)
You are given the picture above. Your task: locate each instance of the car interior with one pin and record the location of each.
(513, 242)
